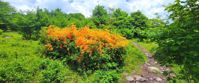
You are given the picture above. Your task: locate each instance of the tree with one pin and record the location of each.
(42, 18)
(139, 20)
(79, 20)
(5, 14)
(100, 16)
(180, 42)
(58, 18)
(28, 24)
(122, 21)
(156, 27)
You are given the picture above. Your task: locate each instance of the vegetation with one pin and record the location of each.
(15, 53)
(52, 46)
(179, 43)
(95, 50)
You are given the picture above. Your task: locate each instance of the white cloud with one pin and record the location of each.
(148, 7)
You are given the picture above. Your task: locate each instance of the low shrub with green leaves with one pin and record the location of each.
(1, 31)
(86, 50)
(106, 76)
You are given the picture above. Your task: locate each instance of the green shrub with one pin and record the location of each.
(85, 51)
(128, 33)
(18, 70)
(106, 77)
(54, 71)
(1, 31)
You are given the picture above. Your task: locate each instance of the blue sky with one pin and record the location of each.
(148, 7)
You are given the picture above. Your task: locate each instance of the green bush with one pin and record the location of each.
(54, 71)
(106, 77)
(1, 31)
(128, 33)
(86, 53)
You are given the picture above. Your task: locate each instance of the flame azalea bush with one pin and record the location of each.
(85, 49)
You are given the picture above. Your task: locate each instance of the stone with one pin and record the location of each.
(139, 78)
(161, 68)
(158, 79)
(129, 78)
(150, 78)
(154, 70)
(148, 64)
(167, 69)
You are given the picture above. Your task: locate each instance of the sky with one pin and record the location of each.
(148, 7)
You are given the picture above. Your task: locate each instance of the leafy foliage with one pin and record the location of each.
(100, 16)
(5, 14)
(179, 44)
(122, 22)
(97, 49)
(1, 31)
(106, 77)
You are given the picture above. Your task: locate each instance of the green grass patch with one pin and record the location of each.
(23, 61)
(148, 45)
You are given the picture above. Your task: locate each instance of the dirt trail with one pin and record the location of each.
(151, 71)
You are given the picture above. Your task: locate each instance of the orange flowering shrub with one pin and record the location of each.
(81, 45)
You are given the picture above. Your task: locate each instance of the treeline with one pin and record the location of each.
(30, 22)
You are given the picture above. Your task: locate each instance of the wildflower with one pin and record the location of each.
(85, 38)
(49, 47)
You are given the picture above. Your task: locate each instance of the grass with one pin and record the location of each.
(148, 45)
(23, 61)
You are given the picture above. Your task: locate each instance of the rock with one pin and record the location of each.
(158, 79)
(154, 70)
(147, 54)
(129, 78)
(150, 78)
(161, 68)
(167, 69)
(172, 75)
(139, 78)
(148, 64)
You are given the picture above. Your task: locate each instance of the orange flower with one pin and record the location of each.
(85, 47)
(69, 36)
(80, 41)
(86, 38)
(49, 47)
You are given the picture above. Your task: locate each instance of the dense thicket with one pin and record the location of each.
(179, 44)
